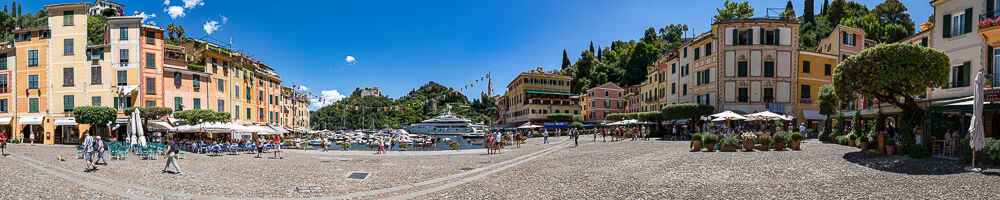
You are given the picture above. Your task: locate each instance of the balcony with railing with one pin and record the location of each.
(989, 27)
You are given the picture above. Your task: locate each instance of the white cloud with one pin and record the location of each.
(193, 3)
(174, 11)
(329, 97)
(224, 19)
(303, 88)
(211, 26)
(350, 60)
(166, 2)
(146, 16)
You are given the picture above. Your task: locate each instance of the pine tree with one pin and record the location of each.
(599, 52)
(565, 60)
(807, 11)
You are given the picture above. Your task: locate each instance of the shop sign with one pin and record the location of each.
(991, 95)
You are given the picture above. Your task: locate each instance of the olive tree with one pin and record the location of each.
(828, 103)
(690, 111)
(94, 115)
(892, 73)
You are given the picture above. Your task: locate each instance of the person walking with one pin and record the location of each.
(325, 146)
(88, 151)
(545, 136)
(277, 147)
(101, 150)
(604, 135)
(260, 146)
(518, 137)
(576, 137)
(172, 151)
(3, 144)
(595, 134)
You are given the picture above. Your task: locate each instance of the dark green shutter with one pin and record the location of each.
(735, 37)
(777, 37)
(989, 8)
(968, 20)
(946, 28)
(966, 70)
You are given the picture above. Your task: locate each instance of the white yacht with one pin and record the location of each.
(447, 124)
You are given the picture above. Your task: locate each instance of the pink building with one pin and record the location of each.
(185, 89)
(602, 100)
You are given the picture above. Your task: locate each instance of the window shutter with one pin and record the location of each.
(946, 28)
(968, 21)
(735, 38)
(966, 70)
(989, 8)
(763, 36)
(777, 37)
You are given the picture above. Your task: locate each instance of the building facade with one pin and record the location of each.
(704, 63)
(535, 94)
(8, 63)
(757, 64)
(32, 52)
(294, 110)
(67, 71)
(151, 65)
(600, 101)
(815, 71)
(100, 5)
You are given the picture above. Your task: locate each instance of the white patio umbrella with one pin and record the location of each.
(766, 115)
(136, 123)
(976, 138)
(728, 115)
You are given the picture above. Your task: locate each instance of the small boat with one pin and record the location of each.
(315, 142)
(476, 142)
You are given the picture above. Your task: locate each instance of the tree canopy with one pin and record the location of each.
(828, 101)
(94, 115)
(734, 10)
(428, 101)
(892, 73)
(686, 111)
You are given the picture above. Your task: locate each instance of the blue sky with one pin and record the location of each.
(400, 45)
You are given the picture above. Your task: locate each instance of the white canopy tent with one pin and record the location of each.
(528, 125)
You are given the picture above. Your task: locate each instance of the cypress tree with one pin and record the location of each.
(591, 46)
(565, 60)
(807, 11)
(826, 4)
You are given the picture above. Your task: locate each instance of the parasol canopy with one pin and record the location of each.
(728, 115)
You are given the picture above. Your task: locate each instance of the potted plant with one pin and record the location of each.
(862, 142)
(709, 141)
(748, 141)
(730, 143)
(851, 138)
(890, 146)
(796, 140)
(833, 135)
(346, 146)
(453, 145)
(765, 142)
(696, 142)
(780, 139)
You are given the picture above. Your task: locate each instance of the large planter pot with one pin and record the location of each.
(729, 148)
(709, 147)
(696, 145)
(748, 145)
(796, 145)
(779, 146)
(890, 149)
(850, 142)
(833, 139)
(763, 147)
(863, 146)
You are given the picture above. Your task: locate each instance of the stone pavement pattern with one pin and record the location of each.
(619, 170)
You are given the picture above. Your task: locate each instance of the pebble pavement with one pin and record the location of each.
(602, 170)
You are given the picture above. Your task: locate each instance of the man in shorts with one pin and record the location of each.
(88, 152)
(277, 147)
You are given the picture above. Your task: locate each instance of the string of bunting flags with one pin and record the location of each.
(348, 106)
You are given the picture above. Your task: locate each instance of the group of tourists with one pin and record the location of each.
(496, 140)
(621, 133)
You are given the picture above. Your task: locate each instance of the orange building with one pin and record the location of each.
(32, 67)
(151, 65)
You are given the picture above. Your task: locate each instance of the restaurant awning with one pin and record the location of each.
(5, 120)
(966, 106)
(159, 125)
(36, 120)
(547, 92)
(813, 115)
(66, 121)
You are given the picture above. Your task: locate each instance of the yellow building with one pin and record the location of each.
(67, 69)
(704, 65)
(815, 70)
(535, 94)
(32, 51)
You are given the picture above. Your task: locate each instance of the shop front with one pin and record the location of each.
(31, 130)
(67, 132)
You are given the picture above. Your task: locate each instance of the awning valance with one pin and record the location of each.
(5, 120)
(37, 120)
(813, 115)
(66, 121)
